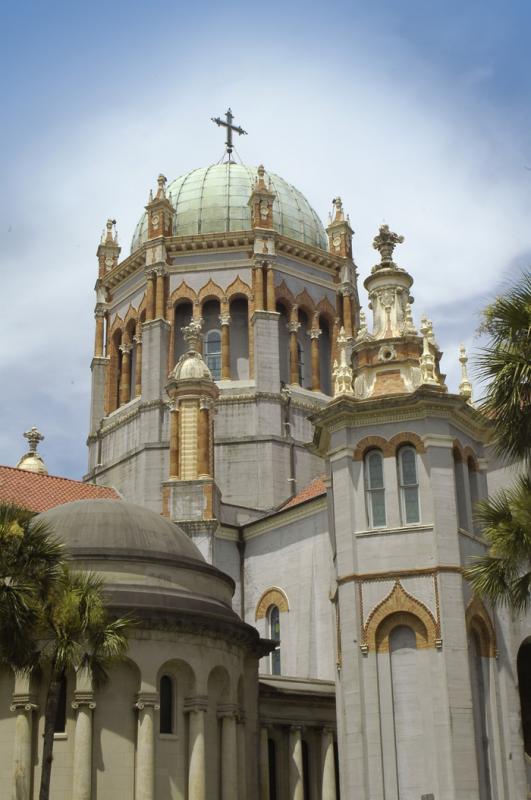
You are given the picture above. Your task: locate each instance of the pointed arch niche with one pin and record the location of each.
(402, 634)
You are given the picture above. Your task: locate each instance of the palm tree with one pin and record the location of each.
(77, 634)
(51, 618)
(504, 574)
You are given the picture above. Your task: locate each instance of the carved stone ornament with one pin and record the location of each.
(264, 210)
(385, 242)
(465, 387)
(192, 334)
(342, 373)
(427, 360)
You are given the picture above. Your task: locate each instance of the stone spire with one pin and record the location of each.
(32, 461)
(261, 201)
(465, 387)
(109, 250)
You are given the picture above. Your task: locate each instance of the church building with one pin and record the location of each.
(280, 487)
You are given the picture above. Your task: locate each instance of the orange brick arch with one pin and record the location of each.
(407, 437)
(271, 597)
(182, 292)
(470, 456)
(238, 289)
(370, 443)
(399, 608)
(211, 291)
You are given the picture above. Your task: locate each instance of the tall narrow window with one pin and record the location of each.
(409, 485)
(60, 714)
(524, 686)
(272, 751)
(375, 490)
(213, 353)
(166, 704)
(300, 364)
(274, 633)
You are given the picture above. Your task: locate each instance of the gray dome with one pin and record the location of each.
(115, 526)
(214, 200)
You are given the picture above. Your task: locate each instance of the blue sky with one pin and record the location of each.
(417, 113)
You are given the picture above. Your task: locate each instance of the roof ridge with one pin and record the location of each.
(56, 477)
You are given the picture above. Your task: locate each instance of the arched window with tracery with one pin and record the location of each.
(375, 489)
(408, 484)
(273, 619)
(167, 705)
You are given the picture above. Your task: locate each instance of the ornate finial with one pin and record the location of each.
(34, 437)
(192, 335)
(32, 461)
(363, 333)
(465, 387)
(162, 181)
(339, 215)
(342, 373)
(427, 361)
(385, 243)
(107, 236)
(260, 178)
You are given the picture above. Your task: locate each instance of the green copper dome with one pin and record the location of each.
(214, 200)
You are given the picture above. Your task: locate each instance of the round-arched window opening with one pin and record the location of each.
(166, 704)
(213, 353)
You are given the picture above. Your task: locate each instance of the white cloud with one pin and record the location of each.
(398, 143)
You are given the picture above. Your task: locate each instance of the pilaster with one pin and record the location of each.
(266, 361)
(155, 340)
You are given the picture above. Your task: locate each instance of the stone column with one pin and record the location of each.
(328, 790)
(242, 773)
(316, 377)
(125, 374)
(99, 315)
(293, 327)
(203, 443)
(225, 347)
(138, 364)
(22, 766)
(161, 282)
(150, 295)
(271, 300)
(347, 313)
(84, 705)
(174, 439)
(229, 754)
(145, 749)
(258, 275)
(264, 763)
(196, 708)
(296, 777)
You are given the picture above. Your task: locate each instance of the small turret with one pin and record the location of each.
(108, 250)
(159, 211)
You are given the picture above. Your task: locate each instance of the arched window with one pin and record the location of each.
(273, 617)
(460, 493)
(409, 485)
(305, 769)
(60, 714)
(166, 704)
(375, 489)
(479, 679)
(213, 353)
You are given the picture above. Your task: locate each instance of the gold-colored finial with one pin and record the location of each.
(32, 461)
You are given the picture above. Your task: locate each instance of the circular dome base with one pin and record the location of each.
(215, 200)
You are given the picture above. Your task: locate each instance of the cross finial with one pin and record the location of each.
(386, 242)
(34, 437)
(227, 123)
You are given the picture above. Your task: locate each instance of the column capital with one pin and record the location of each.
(23, 704)
(126, 348)
(228, 710)
(293, 327)
(296, 728)
(328, 729)
(196, 704)
(100, 310)
(137, 338)
(160, 270)
(83, 699)
(147, 701)
(346, 290)
(205, 403)
(315, 333)
(150, 273)
(224, 319)
(172, 405)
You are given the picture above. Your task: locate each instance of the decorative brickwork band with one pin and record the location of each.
(388, 447)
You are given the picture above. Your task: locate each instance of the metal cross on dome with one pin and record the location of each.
(227, 123)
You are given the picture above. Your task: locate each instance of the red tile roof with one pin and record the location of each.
(41, 492)
(314, 489)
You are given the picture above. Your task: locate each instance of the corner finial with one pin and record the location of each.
(339, 213)
(385, 242)
(427, 360)
(162, 181)
(192, 335)
(109, 236)
(465, 387)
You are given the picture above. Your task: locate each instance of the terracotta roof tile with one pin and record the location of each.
(314, 489)
(41, 492)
